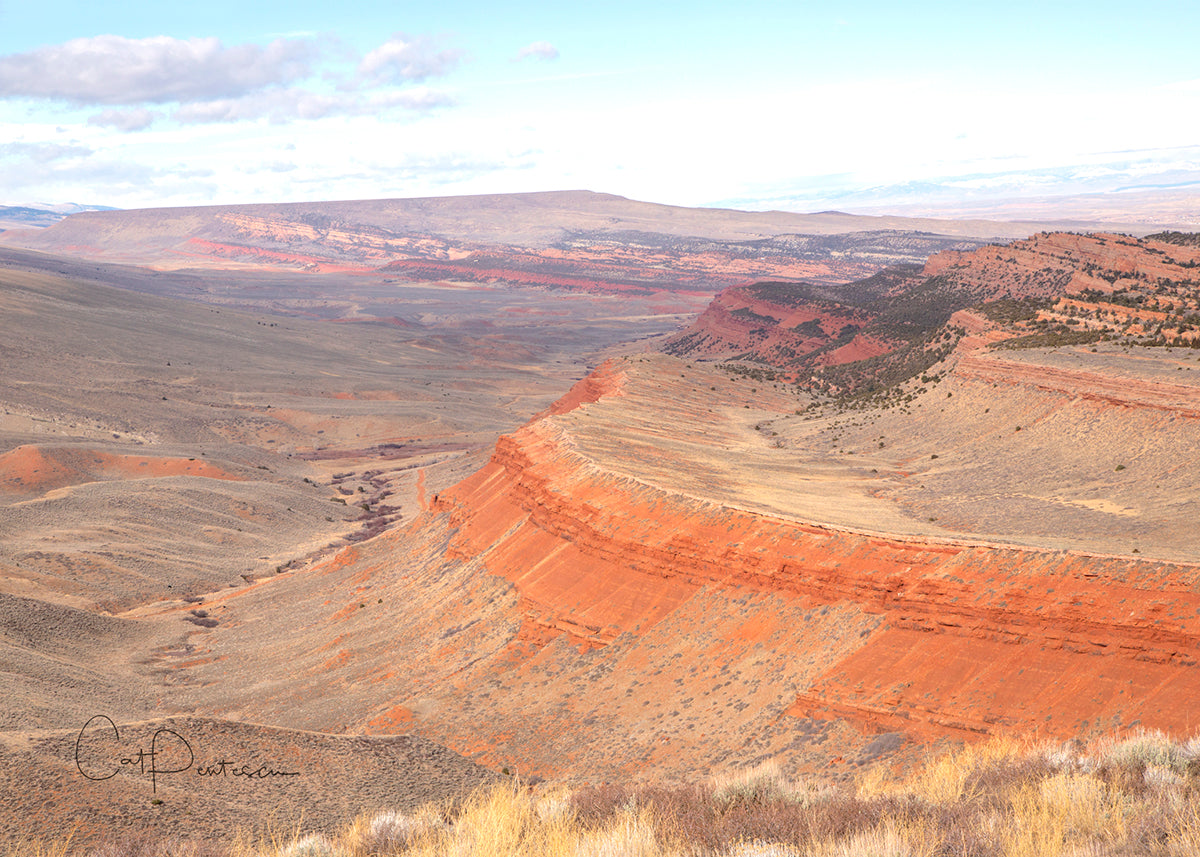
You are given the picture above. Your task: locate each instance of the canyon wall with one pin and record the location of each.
(677, 570)
(973, 638)
(597, 602)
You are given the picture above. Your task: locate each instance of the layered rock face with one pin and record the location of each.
(1074, 285)
(1053, 264)
(675, 570)
(672, 573)
(781, 325)
(973, 637)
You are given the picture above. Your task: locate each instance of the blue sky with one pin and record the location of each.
(758, 104)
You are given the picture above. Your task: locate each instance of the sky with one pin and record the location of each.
(758, 104)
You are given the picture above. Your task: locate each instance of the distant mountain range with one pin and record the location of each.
(41, 215)
(1132, 186)
(576, 240)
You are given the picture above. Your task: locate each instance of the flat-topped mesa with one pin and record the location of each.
(1061, 263)
(973, 637)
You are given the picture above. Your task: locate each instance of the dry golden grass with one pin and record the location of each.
(1136, 796)
(946, 778)
(41, 848)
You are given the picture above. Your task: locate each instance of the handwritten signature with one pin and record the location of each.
(166, 754)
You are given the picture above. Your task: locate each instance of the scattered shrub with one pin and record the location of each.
(312, 845)
(1139, 794)
(393, 831)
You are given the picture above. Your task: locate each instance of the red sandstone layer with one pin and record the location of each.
(975, 638)
(740, 322)
(1095, 386)
(577, 609)
(1051, 264)
(1148, 287)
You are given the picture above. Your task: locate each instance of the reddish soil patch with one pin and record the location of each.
(36, 469)
(858, 348)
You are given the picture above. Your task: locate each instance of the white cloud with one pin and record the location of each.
(135, 119)
(538, 50)
(278, 105)
(103, 175)
(418, 98)
(403, 58)
(44, 153)
(116, 70)
(286, 105)
(204, 82)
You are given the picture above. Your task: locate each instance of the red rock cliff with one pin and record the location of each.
(600, 602)
(973, 638)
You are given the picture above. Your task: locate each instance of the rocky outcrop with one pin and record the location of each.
(1059, 263)
(778, 325)
(974, 638)
(1050, 289)
(1091, 385)
(653, 579)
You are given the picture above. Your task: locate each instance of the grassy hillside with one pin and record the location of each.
(1138, 795)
